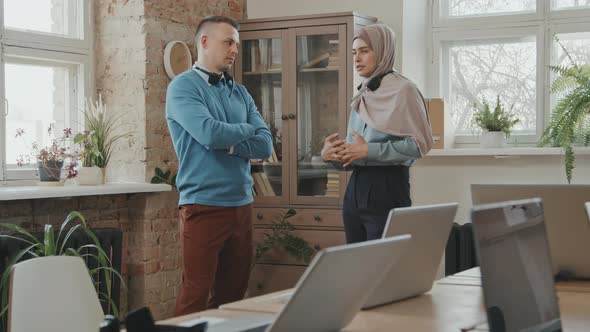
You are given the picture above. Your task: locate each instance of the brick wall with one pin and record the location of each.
(130, 36)
(99, 212)
(150, 257)
(120, 76)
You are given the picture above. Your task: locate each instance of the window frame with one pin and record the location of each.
(28, 47)
(543, 24)
(443, 87)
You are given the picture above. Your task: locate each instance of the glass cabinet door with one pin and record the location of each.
(319, 98)
(260, 69)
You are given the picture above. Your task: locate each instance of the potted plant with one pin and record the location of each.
(102, 131)
(49, 160)
(281, 237)
(496, 125)
(570, 123)
(50, 245)
(88, 173)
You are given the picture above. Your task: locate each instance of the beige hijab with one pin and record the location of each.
(396, 107)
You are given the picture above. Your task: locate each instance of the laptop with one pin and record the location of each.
(588, 210)
(568, 229)
(331, 290)
(516, 270)
(415, 272)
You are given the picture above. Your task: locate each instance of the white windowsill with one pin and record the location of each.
(504, 152)
(8, 193)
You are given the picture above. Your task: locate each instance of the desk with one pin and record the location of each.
(212, 313)
(472, 277)
(447, 307)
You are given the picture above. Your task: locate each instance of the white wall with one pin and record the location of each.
(437, 179)
(389, 12)
(415, 31)
(434, 179)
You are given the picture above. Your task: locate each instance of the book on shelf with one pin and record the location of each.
(257, 185)
(275, 57)
(334, 44)
(277, 98)
(314, 63)
(333, 184)
(267, 184)
(333, 62)
(333, 49)
(262, 185)
(273, 157)
(254, 57)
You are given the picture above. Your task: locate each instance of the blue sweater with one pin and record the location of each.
(205, 123)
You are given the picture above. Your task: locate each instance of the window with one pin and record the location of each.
(458, 8)
(486, 48)
(570, 4)
(44, 74)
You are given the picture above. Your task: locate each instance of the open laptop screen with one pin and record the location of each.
(517, 278)
(568, 229)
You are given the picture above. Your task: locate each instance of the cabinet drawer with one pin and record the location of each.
(268, 278)
(317, 239)
(303, 218)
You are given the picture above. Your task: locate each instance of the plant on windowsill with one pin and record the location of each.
(281, 238)
(103, 129)
(496, 125)
(50, 245)
(570, 120)
(50, 159)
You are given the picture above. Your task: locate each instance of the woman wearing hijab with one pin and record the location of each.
(388, 129)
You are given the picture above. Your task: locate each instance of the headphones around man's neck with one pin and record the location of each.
(214, 78)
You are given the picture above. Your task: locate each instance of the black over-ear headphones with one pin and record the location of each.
(214, 79)
(375, 82)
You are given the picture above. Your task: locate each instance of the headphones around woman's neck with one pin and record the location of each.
(375, 82)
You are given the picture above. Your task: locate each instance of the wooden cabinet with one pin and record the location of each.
(299, 70)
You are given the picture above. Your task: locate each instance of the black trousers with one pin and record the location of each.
(372, 191)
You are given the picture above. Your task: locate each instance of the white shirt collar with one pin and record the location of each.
(202, 74)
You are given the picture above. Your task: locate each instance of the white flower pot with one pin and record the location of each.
(90, 176)
(492, 139)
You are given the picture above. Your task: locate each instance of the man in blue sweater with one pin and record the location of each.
(216, 130)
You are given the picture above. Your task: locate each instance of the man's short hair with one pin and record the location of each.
(213, 19)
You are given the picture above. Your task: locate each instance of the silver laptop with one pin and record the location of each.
(517, 278)
(588, 210)
(331, 291)
(568, 229)
(415, 271)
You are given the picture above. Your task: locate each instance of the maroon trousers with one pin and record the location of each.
(216, 244)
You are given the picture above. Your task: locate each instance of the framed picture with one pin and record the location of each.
(177, 58)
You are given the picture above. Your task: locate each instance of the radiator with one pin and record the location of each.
(110, 240)
(460, 252)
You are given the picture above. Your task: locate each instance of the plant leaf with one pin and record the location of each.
(159, 172)
(49, 241)
(20, 230)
